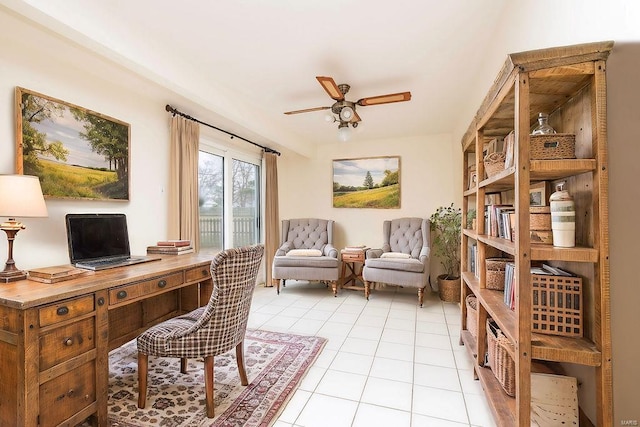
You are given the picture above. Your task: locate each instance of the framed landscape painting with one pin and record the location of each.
(76, 153)
(372, 182)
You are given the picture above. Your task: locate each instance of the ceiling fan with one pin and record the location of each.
(346, 110)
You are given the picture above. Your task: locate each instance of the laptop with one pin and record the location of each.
(99, 241)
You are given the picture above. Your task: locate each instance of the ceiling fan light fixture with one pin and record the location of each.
(344, 132)
(346, 114)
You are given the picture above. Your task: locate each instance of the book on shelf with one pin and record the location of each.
(55, 274)
(174, 243)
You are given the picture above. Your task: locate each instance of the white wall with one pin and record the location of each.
(35, 60)
(428, 177)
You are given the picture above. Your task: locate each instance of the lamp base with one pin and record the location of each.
(12, 276)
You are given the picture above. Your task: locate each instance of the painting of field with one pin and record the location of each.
(372, 182)
(75, 152)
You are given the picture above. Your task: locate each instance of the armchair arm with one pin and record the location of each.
(424, 255)
(282, 250)
(373, 253)
(330, 251)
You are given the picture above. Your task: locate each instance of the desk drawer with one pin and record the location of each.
(65, 310)
(151, 286)
(61, 344)
(197, 273)
(67, 394)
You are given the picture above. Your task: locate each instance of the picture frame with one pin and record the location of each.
(369, 182)
(77, 153)
(539, 194)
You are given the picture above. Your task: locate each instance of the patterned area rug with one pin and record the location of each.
(275, 364)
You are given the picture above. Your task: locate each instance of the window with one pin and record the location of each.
(229, 199)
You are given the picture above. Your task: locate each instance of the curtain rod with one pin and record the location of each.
(174, 111)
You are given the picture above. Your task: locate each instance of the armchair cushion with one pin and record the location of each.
(304, 252)
(400, 264)
(399, 255)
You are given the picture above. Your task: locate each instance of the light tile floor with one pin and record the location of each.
(387, 362)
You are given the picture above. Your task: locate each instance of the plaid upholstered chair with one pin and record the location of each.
(403, 259)
(210, 330)
(306, 253)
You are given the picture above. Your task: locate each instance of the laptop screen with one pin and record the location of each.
(93, 237)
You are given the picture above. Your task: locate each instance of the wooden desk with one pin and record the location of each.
(354, 261)
(55, 338)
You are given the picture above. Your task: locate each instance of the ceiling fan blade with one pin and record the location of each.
(385, 99)
(307, 110)
(356, 118)
(331, 87)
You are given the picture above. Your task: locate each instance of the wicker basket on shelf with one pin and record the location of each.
(472, 314)
(495, 268)
(494, 163)
(554, 146)
(501, 360)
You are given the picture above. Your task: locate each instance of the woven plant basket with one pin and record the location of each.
(540, 218)
(555, 146)
(472, 315)
(449, 290)
(494, 163)
(495, 272)
(501, 360)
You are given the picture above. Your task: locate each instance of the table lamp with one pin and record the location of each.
(20, 196)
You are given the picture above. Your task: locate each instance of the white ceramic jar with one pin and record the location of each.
(563, 218)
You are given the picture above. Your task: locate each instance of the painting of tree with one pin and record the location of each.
(372, 182)
(75, 152)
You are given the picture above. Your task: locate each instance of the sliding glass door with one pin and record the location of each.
(229, 200)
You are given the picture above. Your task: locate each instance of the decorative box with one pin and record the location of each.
(556, 305)
(554, 146)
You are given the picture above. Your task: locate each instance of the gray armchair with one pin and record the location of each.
(306, 253)
(403, 259)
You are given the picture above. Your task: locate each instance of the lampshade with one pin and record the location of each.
(21, 196)
(344, 132)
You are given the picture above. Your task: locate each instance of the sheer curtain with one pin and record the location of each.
(183, 181)
(272, 216)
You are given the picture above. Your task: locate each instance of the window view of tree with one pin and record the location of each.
(243, 194)
(211, 200)
(245, 203)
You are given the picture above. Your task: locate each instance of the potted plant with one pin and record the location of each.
(446, 223)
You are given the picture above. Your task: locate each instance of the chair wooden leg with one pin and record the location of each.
(183, 365)
(143, 364)
(367, 289)
(334, 287)
(208, 385)
(240, 360)
(420, 296)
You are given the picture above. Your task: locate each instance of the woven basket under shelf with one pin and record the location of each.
(495, 272)
(501, 360)
(494, 163)
(472, 315)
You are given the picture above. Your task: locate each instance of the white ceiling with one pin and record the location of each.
(244, 63)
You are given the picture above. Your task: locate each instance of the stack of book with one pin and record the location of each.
(171, 247)
(510, 280)
(55, 274)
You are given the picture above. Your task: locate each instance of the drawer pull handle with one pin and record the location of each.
(121, 294)
(62, 311)
(68, 342)
(71, 392)
(205, 272)
(101, 301)
(162, 283)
